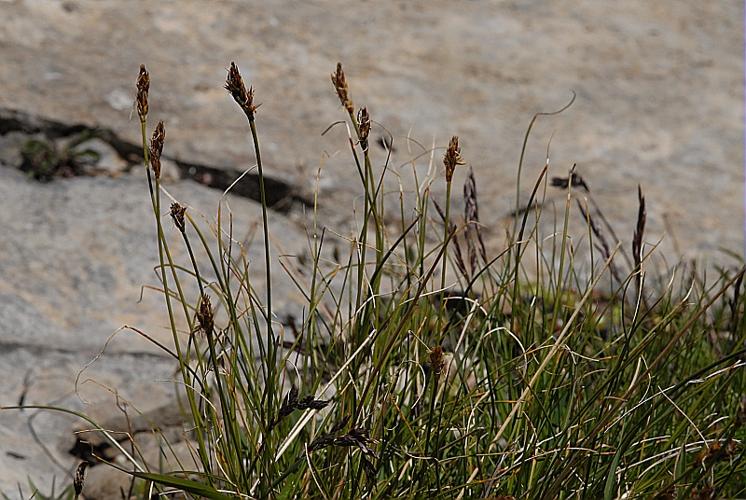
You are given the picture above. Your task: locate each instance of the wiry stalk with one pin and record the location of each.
(245, 100)
(361, 124)
(451, 160)
(143, 85)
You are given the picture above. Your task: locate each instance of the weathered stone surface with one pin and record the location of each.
(659, 102)
(658, 86)
(103, 483)
(72, 265)
(105, 159)
(10, 148)
(36, 444)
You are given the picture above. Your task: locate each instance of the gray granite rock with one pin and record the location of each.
(659, 92)
(659, 103)
(104, 159)
(73, 261)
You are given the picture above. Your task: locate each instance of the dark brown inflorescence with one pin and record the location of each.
(156, 148)
(235, 86)
(205, 316)
(473, 228)
(363, 121)
(177, 214)
(574, 180)
(143, 85)
(357, 437)
(639, 229)
(79, 478)
(292, 403)
(452, 158)
(437, 362)
(340, 84)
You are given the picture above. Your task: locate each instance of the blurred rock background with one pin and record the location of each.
(659, 102)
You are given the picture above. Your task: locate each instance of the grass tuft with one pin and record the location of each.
(536, 371)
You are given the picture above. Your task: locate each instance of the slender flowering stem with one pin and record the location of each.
(451, 160)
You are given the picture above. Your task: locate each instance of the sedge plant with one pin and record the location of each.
(562, 365)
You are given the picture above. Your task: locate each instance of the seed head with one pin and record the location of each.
(639, 229)
(452, 158)
(205, 315)
(177, 214)
(143, 85)
(473, 227)
(340, 84)
(436, 360)
(358, 437)
(79, 478)
(235, 86)
(717, 452)
(574, 180)
(156, 148)
(363, 120)
(292, 403)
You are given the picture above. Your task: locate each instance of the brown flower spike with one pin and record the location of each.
(177, 214)
(156, 148)
(244, 98)
(205, 316)
(363, 120)
(291, 403)
(452, 158)
(639, 229)
(437, 362)
(340, 84)
(143, 85)
(79, 479)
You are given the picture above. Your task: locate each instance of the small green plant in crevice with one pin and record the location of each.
(560, 366)
(43, 159)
